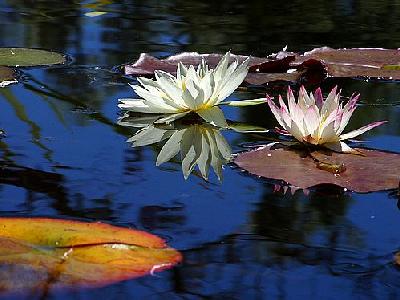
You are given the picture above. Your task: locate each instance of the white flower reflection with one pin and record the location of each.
(199, 144)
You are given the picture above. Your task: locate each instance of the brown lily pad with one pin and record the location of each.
(355, 62)
(7, 76)
(310, 68)
(262, 70)
(372, 171)
(41, 253)
(147, 64)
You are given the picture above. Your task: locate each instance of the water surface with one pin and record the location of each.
(240, 238)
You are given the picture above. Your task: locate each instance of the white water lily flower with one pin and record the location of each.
(316, 121)
(192, 90)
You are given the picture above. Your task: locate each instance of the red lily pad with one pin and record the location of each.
(42, 253)
(355, 62)
(147, 64)
(372, 171)
(310, 68)
(262, 70)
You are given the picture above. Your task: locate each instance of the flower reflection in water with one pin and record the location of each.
(198, 143)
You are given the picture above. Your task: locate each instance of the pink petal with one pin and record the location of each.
(282, 104)
(282, 131)
(304, 100)
(352, 102)
(345, 119)
(361, 130)
(311, 119)
(276, 112)
(319, 99)
(291, 100)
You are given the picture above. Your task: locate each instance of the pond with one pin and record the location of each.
(239, 236)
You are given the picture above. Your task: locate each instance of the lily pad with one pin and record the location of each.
(309, 68)
(147, 64)
(39, 253)
(372, 171)
(27, 57)
(7, 76)
(262, 70)
(357, 62)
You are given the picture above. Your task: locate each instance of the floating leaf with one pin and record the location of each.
(372, 171)
(310, 68)
(246, 128)
(27, 57)
(7, 76)
(262, 70)
(364, 62)
(245, 102)
(147, 64)
(41, 253)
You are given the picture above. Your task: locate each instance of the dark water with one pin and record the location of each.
(240, 239)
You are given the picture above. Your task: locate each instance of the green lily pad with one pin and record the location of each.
(26, 57)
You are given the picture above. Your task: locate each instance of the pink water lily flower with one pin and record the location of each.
(316, 121)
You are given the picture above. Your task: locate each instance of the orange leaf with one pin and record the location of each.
(43, 253)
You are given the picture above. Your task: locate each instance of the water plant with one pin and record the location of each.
(313, 120)
(198, 90)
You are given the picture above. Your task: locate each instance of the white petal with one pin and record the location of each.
(206, 84)
(171, 147)
(140, 105)
(235, 80)
(147, 136)
(170, 88)
(190, 150)
(296, 132)
(340, 147)
(331, 103)
(189, 100)
(171, 118)
(328, 134)
(220, 70)
(181, 71)
(155, 99)
(204, 159)
(214, 116)
(223, 146)
(311, 119)
(216, 159)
